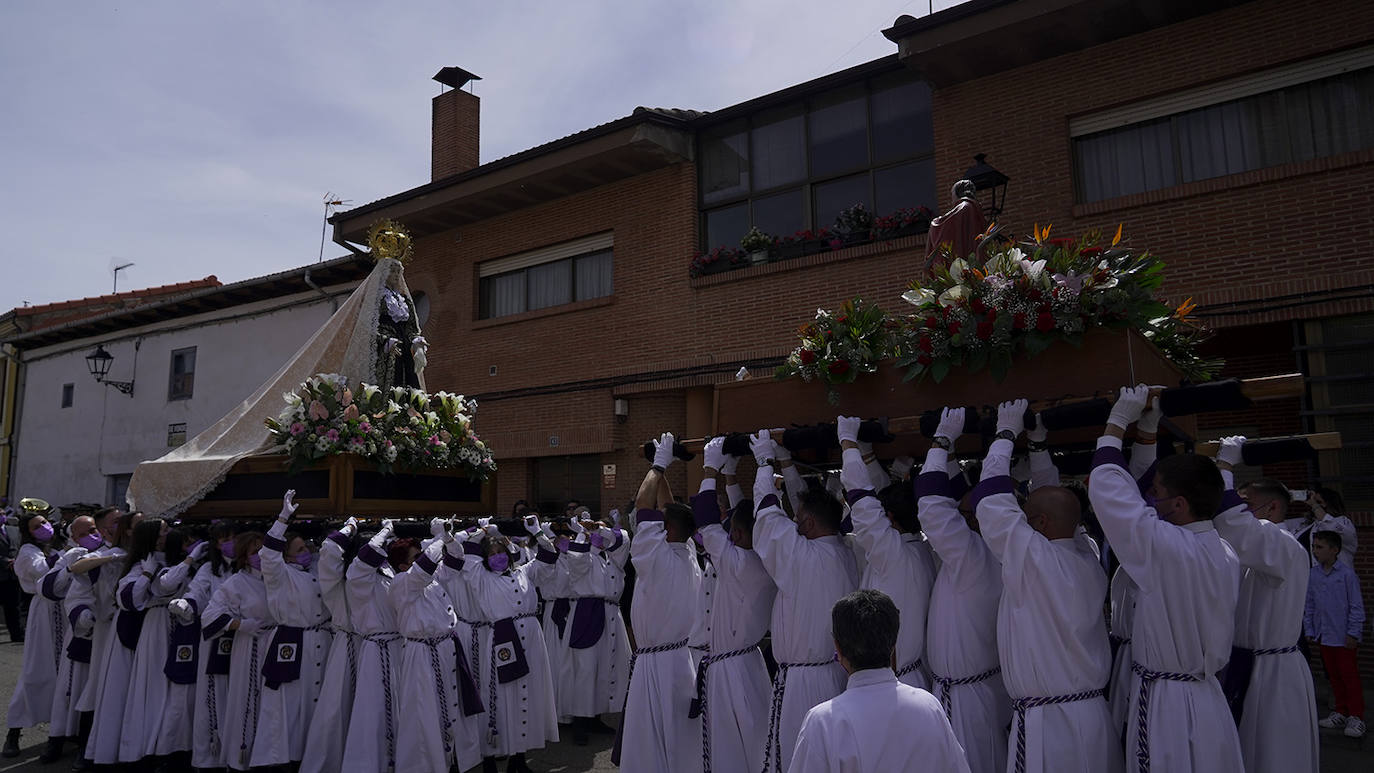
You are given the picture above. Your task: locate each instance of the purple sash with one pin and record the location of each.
(559, 616)
(283, 663)
(79, 648)
(467, 686)
(218, 661)
(509, 653)
(589, 621)
(128, 625)
(183, 653)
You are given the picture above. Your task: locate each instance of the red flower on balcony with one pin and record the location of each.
(807, 356)
(839, 367)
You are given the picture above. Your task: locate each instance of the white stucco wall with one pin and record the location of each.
(67, 455)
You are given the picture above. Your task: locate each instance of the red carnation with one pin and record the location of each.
(978, 306)
(925, 359)
(807, 356)
(931, 322)
(1034, 294)
(839, 367)
(843, 318)
(992, 315)
(985, 330)
(1018, 321)
(954, 328)
(1045, 322)
(925, 345)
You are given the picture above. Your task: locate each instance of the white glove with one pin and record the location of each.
(181, 610)
(663, 451)
(1149, 419)
(901, 467)
(763, 447)
(1129, 405)
(1230, 452)
(484, 522)
(436, 527)
(1040, 434)
(198, 552)
(714, 453)
(455, 547)
(854, 473)
(547, 531)
(847, 427)
(474, 534)
(84, 625)
(781, 453)
(951, 424)
(575, 526)
(148, 565)
(379, 539)
(288, 508)
(1011, 415)
(350, 526)
(532, 525)
(730, 464)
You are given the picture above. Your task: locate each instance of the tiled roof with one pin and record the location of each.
(112, 298)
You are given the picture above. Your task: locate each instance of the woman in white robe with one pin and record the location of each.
(324, 741)
(514, 680)
(31, 702)
(114, 672)
(212, 656)
(555, 587)
(438, 732)
(240, 605)
(371, 743)
(64, 721)
(158, 712)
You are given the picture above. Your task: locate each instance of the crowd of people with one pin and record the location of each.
(955, 617)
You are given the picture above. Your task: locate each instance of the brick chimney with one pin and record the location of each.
(455, 125)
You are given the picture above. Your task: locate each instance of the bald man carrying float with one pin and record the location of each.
(1051, 636)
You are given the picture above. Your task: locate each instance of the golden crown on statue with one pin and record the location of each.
(388, 239)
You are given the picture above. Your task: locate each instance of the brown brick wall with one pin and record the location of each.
(455, 133)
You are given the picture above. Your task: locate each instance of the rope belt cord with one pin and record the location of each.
(492, 732)
(1147, 678)
(474, 665)
(440, 690)
(946, 683)
(351, 650)
(1276, 650)
(908, 668)
(1022, 705)
(772, 750)
(383, 641)
(59, 632)
(252, 706)
(702, 703)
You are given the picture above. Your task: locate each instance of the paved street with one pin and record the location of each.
(1339, 754)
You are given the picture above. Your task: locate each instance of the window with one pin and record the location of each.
(176, 434)
(792, 168)
(183, 377)
(555, 276)
(1252, 123)
(117, 490)
(68, 390)
(1340, 375)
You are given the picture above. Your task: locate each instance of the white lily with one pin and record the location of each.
(953, 295)
(919, 296)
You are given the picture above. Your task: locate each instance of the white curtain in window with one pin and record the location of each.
(505, 294)
(549, 284)
(593, 275)
(1125, 161)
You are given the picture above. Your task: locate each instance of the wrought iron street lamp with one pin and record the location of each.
(985, 178)
(99, 362)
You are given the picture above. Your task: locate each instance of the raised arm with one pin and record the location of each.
(331, 567)
(881, 543)
(776, 540)
(1000, 518)
(1261, 545)
(943, 524)
(1043, 471)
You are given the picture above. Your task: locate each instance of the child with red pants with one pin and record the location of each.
(1334, 619)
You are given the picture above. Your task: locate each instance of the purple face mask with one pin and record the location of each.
(254, 561)
(697, 539)
(226, 549)
(597, 541)
(43, 533)
(563, 543)
(498, 562)
(304, 558)
(91, 541)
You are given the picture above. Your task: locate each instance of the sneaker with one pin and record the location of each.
(1334, 719)
(1354, 727)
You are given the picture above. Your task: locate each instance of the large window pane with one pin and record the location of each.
(907, 185)
(593, 274)
(902, 125)
(726, 226)
(550, 284)
(780, 214)
(839, 132)
(1125, 161)
(502, 295)
(724, 165)
(779, 149)
(838, 195)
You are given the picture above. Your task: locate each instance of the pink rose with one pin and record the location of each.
(347, 397)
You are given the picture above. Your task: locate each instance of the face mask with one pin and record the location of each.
(597, 541)
(563, 543)
(43, 533)
(254, 561)
(498, 563)
(304, 559)
(91, 541)
(226, 549)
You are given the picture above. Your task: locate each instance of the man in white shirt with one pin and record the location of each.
(1189, 582)
(877, 724)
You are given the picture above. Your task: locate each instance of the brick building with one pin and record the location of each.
(1236, 149)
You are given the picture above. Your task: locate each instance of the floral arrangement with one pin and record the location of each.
(755, 240)
(402, 427)
(838, 346)
(902, 222)
(855, 220)
(1019, 300)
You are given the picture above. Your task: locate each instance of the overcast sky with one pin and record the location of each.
(198, 138)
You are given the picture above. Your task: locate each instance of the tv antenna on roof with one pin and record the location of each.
(330, 202)
(116, 269)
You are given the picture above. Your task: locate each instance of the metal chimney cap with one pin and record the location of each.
(455, 77)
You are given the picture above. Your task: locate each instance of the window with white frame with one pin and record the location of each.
(1314, 109)
(573, 271)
